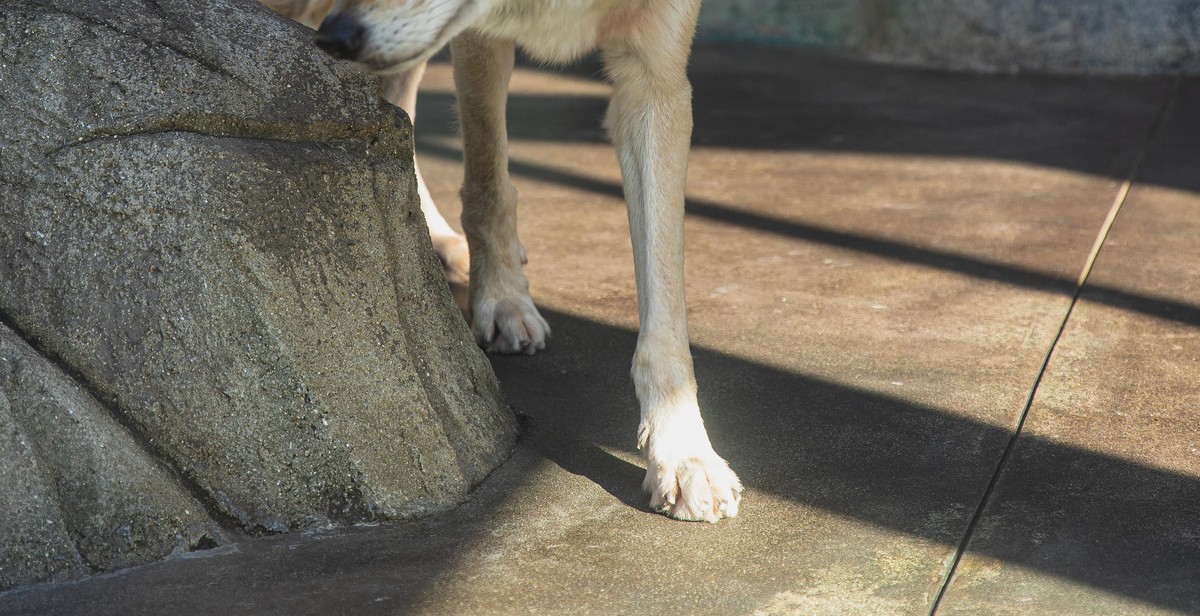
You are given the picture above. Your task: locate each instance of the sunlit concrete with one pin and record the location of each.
(879, 264)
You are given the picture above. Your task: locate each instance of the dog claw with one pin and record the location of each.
(510, 326)
(699, 489)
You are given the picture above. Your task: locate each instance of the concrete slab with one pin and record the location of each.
(879, 261)
(1097, 511)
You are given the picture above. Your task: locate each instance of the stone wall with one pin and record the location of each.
(1062, 36)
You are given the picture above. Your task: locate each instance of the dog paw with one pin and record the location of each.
(509, 325)
(455, 256)
(697, 488)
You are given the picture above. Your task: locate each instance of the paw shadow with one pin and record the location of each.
(578, 456)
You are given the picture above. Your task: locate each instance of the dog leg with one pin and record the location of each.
(650, 121)
(450, 245)
(503, 318)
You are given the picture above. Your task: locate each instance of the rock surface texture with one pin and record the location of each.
(220, 310)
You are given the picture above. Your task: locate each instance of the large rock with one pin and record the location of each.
(214, 230)
(79, 492)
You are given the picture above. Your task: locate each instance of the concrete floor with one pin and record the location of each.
(883, 277)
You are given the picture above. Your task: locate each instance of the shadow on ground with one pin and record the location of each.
(803, 104)
(864, 456)
(856, 454)
(807, 449)
(767, 99)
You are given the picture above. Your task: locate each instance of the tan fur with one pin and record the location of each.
(645, 44)
(307, 12)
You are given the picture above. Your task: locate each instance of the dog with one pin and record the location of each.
(645, 46)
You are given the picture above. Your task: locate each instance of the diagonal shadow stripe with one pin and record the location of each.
(1158, 307)
(1088, 517)
(1094, 519)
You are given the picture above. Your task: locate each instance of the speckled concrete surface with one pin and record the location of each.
(880, 261)
(1096, 512)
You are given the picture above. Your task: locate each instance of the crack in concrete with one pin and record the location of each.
(1119, 200)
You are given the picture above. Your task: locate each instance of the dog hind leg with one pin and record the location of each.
(450, 245)
(503, 317)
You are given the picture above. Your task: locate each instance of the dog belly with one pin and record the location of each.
(559, 30)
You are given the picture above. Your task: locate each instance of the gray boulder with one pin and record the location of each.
(213, 229)
(79, 493)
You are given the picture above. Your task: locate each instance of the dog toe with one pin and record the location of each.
(699, 489)
(510, 326)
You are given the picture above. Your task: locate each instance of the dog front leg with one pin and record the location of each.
(650, 120)
(503, 317)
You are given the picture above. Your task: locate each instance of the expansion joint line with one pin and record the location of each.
(1118, 201)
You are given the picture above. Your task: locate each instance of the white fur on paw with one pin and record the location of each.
(699, 488)
(509, 325)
